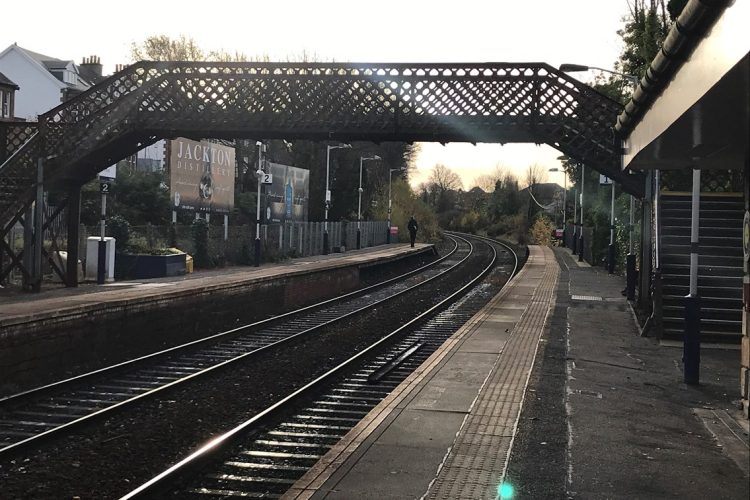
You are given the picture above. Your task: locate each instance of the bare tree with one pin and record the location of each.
(164, 48)
(487, 182)
(535, 174)
(445, 179)
(184, 48)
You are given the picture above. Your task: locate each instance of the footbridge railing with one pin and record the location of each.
(456, 102)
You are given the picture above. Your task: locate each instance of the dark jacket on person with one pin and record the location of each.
(413, 225)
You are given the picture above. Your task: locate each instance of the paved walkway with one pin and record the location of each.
(551, 392)
(635, 430)
(447, 430)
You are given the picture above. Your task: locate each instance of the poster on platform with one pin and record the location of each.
(201, 175)
(286, 199)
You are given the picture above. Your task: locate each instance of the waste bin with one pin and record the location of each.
(92, 258)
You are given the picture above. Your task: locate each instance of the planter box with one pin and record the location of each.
(129, 266)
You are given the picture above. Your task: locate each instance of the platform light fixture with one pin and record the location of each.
(259, 173)
(359, 203)
(326, 247)
(565, 193)
(575, 68)
(390, 172)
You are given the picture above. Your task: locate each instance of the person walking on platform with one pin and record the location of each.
(413, 226)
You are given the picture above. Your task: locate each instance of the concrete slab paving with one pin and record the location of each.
(451, 424)
(608, 413)
(419, 428)
(490, 340)
(450, 388)
(370, 483)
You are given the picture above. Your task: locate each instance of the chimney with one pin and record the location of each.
(94, 64)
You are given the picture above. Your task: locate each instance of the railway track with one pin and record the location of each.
(28, 418)
(265, 455)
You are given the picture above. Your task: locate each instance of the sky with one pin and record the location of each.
(551, 31)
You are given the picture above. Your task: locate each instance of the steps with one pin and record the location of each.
(719, 265)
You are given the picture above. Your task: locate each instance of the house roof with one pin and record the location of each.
(7, 82)
(46, 61)
(33, 62)
(53, 63)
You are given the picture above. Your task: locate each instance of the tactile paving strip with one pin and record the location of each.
(586, 297)
(475, 465)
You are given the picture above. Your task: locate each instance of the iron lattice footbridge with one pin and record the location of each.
(492, 102)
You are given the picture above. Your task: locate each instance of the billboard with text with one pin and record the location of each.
(201, 175)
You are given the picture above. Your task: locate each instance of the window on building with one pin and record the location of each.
(70, 77)
(4, 104)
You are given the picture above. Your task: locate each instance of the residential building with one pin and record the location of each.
(45, 81)
(8, 90)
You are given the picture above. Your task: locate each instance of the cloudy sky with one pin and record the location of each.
(552, 31)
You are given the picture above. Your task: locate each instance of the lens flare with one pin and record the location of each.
(505, 491)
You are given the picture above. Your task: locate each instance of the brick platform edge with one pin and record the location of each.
(513, 366)
(77, 333)
(745, 364)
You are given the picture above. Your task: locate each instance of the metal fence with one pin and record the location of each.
(279, 241)
(233, 245)
(304, 239)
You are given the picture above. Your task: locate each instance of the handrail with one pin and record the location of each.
(20, 150)
(657, 219)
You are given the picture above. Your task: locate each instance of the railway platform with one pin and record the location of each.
(548, 392)
(54, 303)
(71, 330)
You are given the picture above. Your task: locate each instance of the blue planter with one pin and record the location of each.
(129, 266)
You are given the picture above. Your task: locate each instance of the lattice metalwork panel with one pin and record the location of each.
(439, 102)
(499, 102)
(13, 135)
(19, 149)
(712, 181)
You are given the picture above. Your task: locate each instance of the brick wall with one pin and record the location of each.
(745, 362)
(47, 349)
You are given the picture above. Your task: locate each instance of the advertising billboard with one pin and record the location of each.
(287, 197)
(201, 175)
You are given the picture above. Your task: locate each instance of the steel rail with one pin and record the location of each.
(37, 391)
(22, 444)
(495, 241)
(161, 482)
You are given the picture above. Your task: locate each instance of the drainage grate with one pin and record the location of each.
(585, 297)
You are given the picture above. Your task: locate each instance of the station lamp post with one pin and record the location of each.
(565, 196)
(611, 248)
(326, 247)
(359, 203)
(573, 247)
(390, 172)
(574, 68)
(611, 254)
(259, 172)
(630, 259)
(580, 235)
